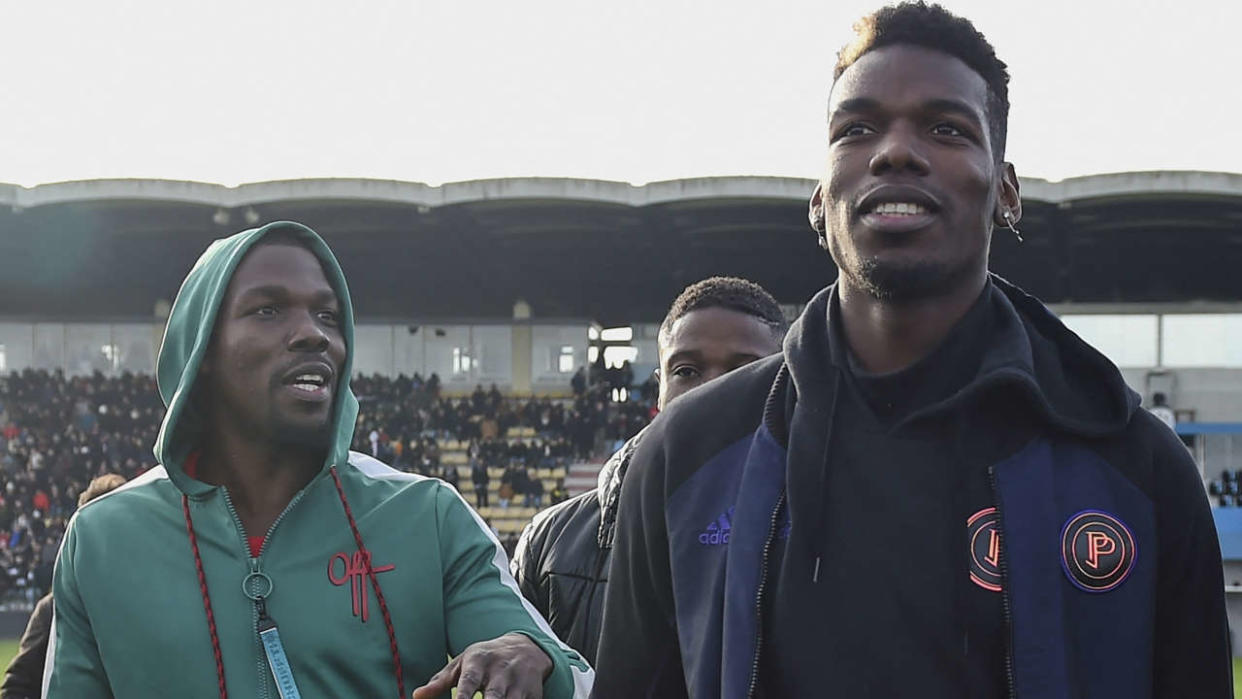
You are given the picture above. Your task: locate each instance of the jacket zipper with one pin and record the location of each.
(1004, 571)
(763, 581)
(257, 609)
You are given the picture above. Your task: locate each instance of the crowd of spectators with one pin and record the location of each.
(58, 432)
(403, 421)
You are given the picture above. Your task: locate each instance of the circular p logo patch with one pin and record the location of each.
(983, 529)
(1097, 551)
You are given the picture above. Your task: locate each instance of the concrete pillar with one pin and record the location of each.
(523, 341)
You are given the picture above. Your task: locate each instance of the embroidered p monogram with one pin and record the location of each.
(1097, 551)
(983, 530)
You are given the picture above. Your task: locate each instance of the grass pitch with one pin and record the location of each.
(8, 649)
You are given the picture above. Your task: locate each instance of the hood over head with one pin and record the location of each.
(188, 334)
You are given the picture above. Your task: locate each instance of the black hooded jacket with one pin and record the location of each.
(561, 561)
(1083, 517)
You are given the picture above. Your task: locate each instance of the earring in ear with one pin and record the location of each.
(1009, 222)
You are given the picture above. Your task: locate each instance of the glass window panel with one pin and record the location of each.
(616, 356)
(18, 342)
(557, 351)
(492, 347)
(408, 349)
(445, 346)
(565, 360)
(617, 334)
(136, 347)
(1203, 340)
(89, 348)
(373, 351)
(49, 346)
(1128, 340)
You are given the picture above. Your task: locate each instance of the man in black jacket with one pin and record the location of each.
(938, 490)
(561, 562)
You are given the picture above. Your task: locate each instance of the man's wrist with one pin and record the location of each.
(543, 653)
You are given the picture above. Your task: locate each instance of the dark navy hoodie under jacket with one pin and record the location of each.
(1082, 515)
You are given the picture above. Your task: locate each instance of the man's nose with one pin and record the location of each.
(308, 336)
(899, 149)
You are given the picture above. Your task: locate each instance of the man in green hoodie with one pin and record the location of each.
(258, 513)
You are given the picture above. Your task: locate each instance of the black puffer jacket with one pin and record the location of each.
(561, 561)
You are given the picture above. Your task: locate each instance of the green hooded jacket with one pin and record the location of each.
(130, 618)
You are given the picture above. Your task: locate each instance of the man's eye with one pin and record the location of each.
(854, 129)
(685, 372)
(328, 316)
(948, 130)
(268, 310)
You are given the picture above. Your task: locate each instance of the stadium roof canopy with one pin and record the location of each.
(607, 251)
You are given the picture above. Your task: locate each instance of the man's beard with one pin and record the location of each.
(904, 282)
(309, 435)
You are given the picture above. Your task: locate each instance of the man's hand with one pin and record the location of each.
(510, 667)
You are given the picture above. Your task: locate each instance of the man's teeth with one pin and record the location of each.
(899, 208)
(309, 382)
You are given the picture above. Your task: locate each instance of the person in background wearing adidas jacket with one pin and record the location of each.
(937, 490)
(262, 558)
(561, 562)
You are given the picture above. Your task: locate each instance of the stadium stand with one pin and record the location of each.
(58, 432)
(498, 281)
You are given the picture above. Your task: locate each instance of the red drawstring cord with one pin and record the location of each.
(366, 556)
(379, 594)
(202, 586)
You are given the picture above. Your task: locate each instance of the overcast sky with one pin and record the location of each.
(447, 90)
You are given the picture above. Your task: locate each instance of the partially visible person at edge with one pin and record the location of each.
(23, 679)
(1160, 408)
(561, 562)
(262, 557)
(937, 490)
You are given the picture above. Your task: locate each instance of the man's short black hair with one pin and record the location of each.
(733, 293)
(933, 27)
(283, 236)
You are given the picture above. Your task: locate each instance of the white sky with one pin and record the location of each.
(446, 90)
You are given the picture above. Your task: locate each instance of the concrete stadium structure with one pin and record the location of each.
(499, 280)
(607, 251)
(1128, 255)
(1134, 249)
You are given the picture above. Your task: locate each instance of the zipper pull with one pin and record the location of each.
(257, 587)
(269, 635)
(265, 622)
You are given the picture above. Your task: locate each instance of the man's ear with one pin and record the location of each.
(816, 216)
(1008, 198)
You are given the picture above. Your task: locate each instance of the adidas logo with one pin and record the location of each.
(717, 533)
